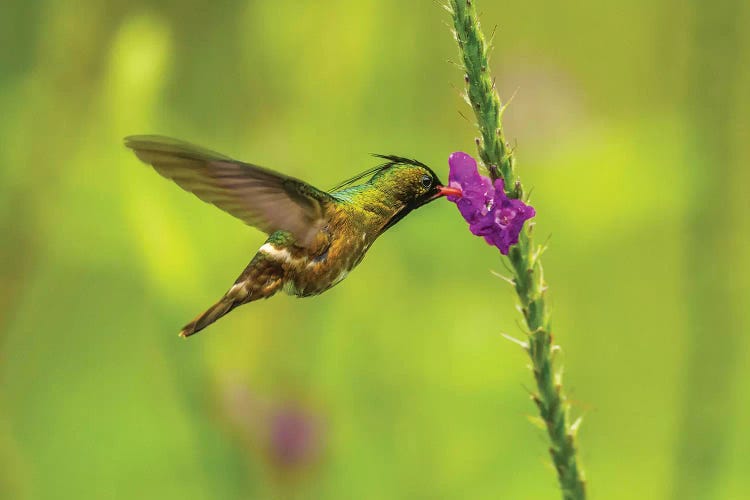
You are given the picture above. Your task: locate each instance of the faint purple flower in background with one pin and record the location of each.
(486, 207)
(294, 437)
(289, 434)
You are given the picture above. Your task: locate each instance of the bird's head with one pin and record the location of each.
(409, 182)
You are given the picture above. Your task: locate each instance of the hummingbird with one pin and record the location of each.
(315, 237)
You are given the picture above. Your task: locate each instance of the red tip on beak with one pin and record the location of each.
(449, 191)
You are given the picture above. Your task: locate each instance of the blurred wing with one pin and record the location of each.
(259, 197)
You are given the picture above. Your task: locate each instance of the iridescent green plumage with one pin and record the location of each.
(315, 237)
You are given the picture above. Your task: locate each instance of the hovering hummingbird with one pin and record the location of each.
(315, 237)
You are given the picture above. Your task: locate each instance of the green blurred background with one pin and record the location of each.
(631, 123)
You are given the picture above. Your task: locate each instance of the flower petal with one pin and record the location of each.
(485, 205)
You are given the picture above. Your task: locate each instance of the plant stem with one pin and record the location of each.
(525, 257)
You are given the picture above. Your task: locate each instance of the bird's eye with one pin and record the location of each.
(426, 181)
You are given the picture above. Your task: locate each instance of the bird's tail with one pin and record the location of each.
(260, 279)
(213, 313)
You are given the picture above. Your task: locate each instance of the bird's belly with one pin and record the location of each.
(314, 276)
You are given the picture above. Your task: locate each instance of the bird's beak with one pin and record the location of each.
(448, 191)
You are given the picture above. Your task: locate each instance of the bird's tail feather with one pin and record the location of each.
(213, 313)
(242, 292)
(261, 279)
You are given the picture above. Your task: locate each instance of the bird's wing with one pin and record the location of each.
(258, 196)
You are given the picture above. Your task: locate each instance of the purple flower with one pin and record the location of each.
(486, 207)
(290, 435)
(294, 437)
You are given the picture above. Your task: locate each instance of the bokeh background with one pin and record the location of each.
(630, 120)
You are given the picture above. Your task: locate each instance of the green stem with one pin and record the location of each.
(525, 257)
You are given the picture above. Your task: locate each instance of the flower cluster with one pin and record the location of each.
(486, 207)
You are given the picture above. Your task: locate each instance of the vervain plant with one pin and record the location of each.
(495, 210)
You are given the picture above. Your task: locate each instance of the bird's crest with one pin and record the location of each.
(390, 161)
